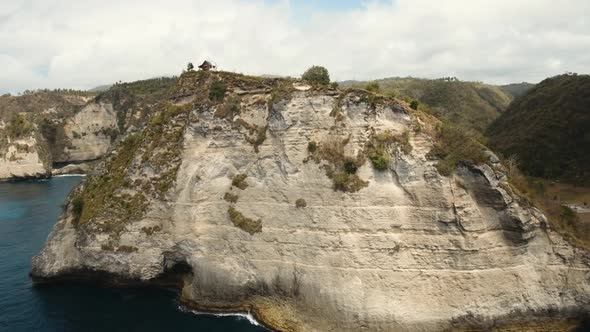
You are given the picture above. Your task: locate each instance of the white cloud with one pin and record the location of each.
(86, 43)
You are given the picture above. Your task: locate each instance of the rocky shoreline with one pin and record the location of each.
(573, 319)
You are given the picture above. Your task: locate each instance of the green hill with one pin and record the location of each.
(517, 89)
(548, 129)
(471, 105)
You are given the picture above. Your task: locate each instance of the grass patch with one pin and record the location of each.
(239, 181)
(312, 146)
(246, 224)
(452, 146)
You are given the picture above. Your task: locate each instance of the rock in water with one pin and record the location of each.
(207, 191)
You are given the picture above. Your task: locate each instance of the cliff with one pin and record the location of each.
(317, 210)
(67, 131)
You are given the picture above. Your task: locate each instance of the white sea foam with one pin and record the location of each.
(67, 175)
(242, 315)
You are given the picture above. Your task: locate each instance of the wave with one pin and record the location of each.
(67, 175)
(242, 315)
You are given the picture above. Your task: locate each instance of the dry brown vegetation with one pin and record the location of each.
(340, 167)
(551, 198)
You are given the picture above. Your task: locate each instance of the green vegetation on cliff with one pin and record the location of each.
(317, 74)
(18, 126)
(470, 105)
(453, 145)
(246, 224)
(548, 130)
(112, 196)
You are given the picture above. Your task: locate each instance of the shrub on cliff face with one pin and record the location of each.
(350, 166)
(77, 207)
(348, 182)
(379, 159)
(340, 168)
(372, 86)
(317, 74)
(18, 126)
(217, 91)
(246, 224)
(300, 203)
(229, 197)
(568, 216)
(453, 145)
(239, 181)
(312, 146)
(380, 145)
(414, 104)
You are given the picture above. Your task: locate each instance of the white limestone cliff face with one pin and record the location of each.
(412, 251)
(88, 132)
(22, 159)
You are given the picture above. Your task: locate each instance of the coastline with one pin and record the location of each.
(173, 283)
(274, 316)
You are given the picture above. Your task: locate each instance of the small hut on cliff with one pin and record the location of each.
(206, 66)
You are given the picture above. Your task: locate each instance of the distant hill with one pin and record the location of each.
(471, 105)
(517, 89)
(548, 129)
(101, 88)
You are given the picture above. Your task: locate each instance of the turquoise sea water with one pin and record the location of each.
(28, 211)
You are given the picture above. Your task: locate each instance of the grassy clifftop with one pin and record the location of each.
(470, 105)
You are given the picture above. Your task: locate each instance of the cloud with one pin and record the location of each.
(81, 44)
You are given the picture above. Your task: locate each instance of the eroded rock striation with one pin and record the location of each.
(213, 189)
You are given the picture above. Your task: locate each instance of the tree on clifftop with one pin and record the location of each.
(317, 74)
(190, 66)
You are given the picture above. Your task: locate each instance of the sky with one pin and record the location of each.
(83, 44)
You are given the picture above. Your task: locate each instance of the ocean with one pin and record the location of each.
(28, 211)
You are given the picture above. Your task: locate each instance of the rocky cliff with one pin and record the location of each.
(67, 131)
(317, 210)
